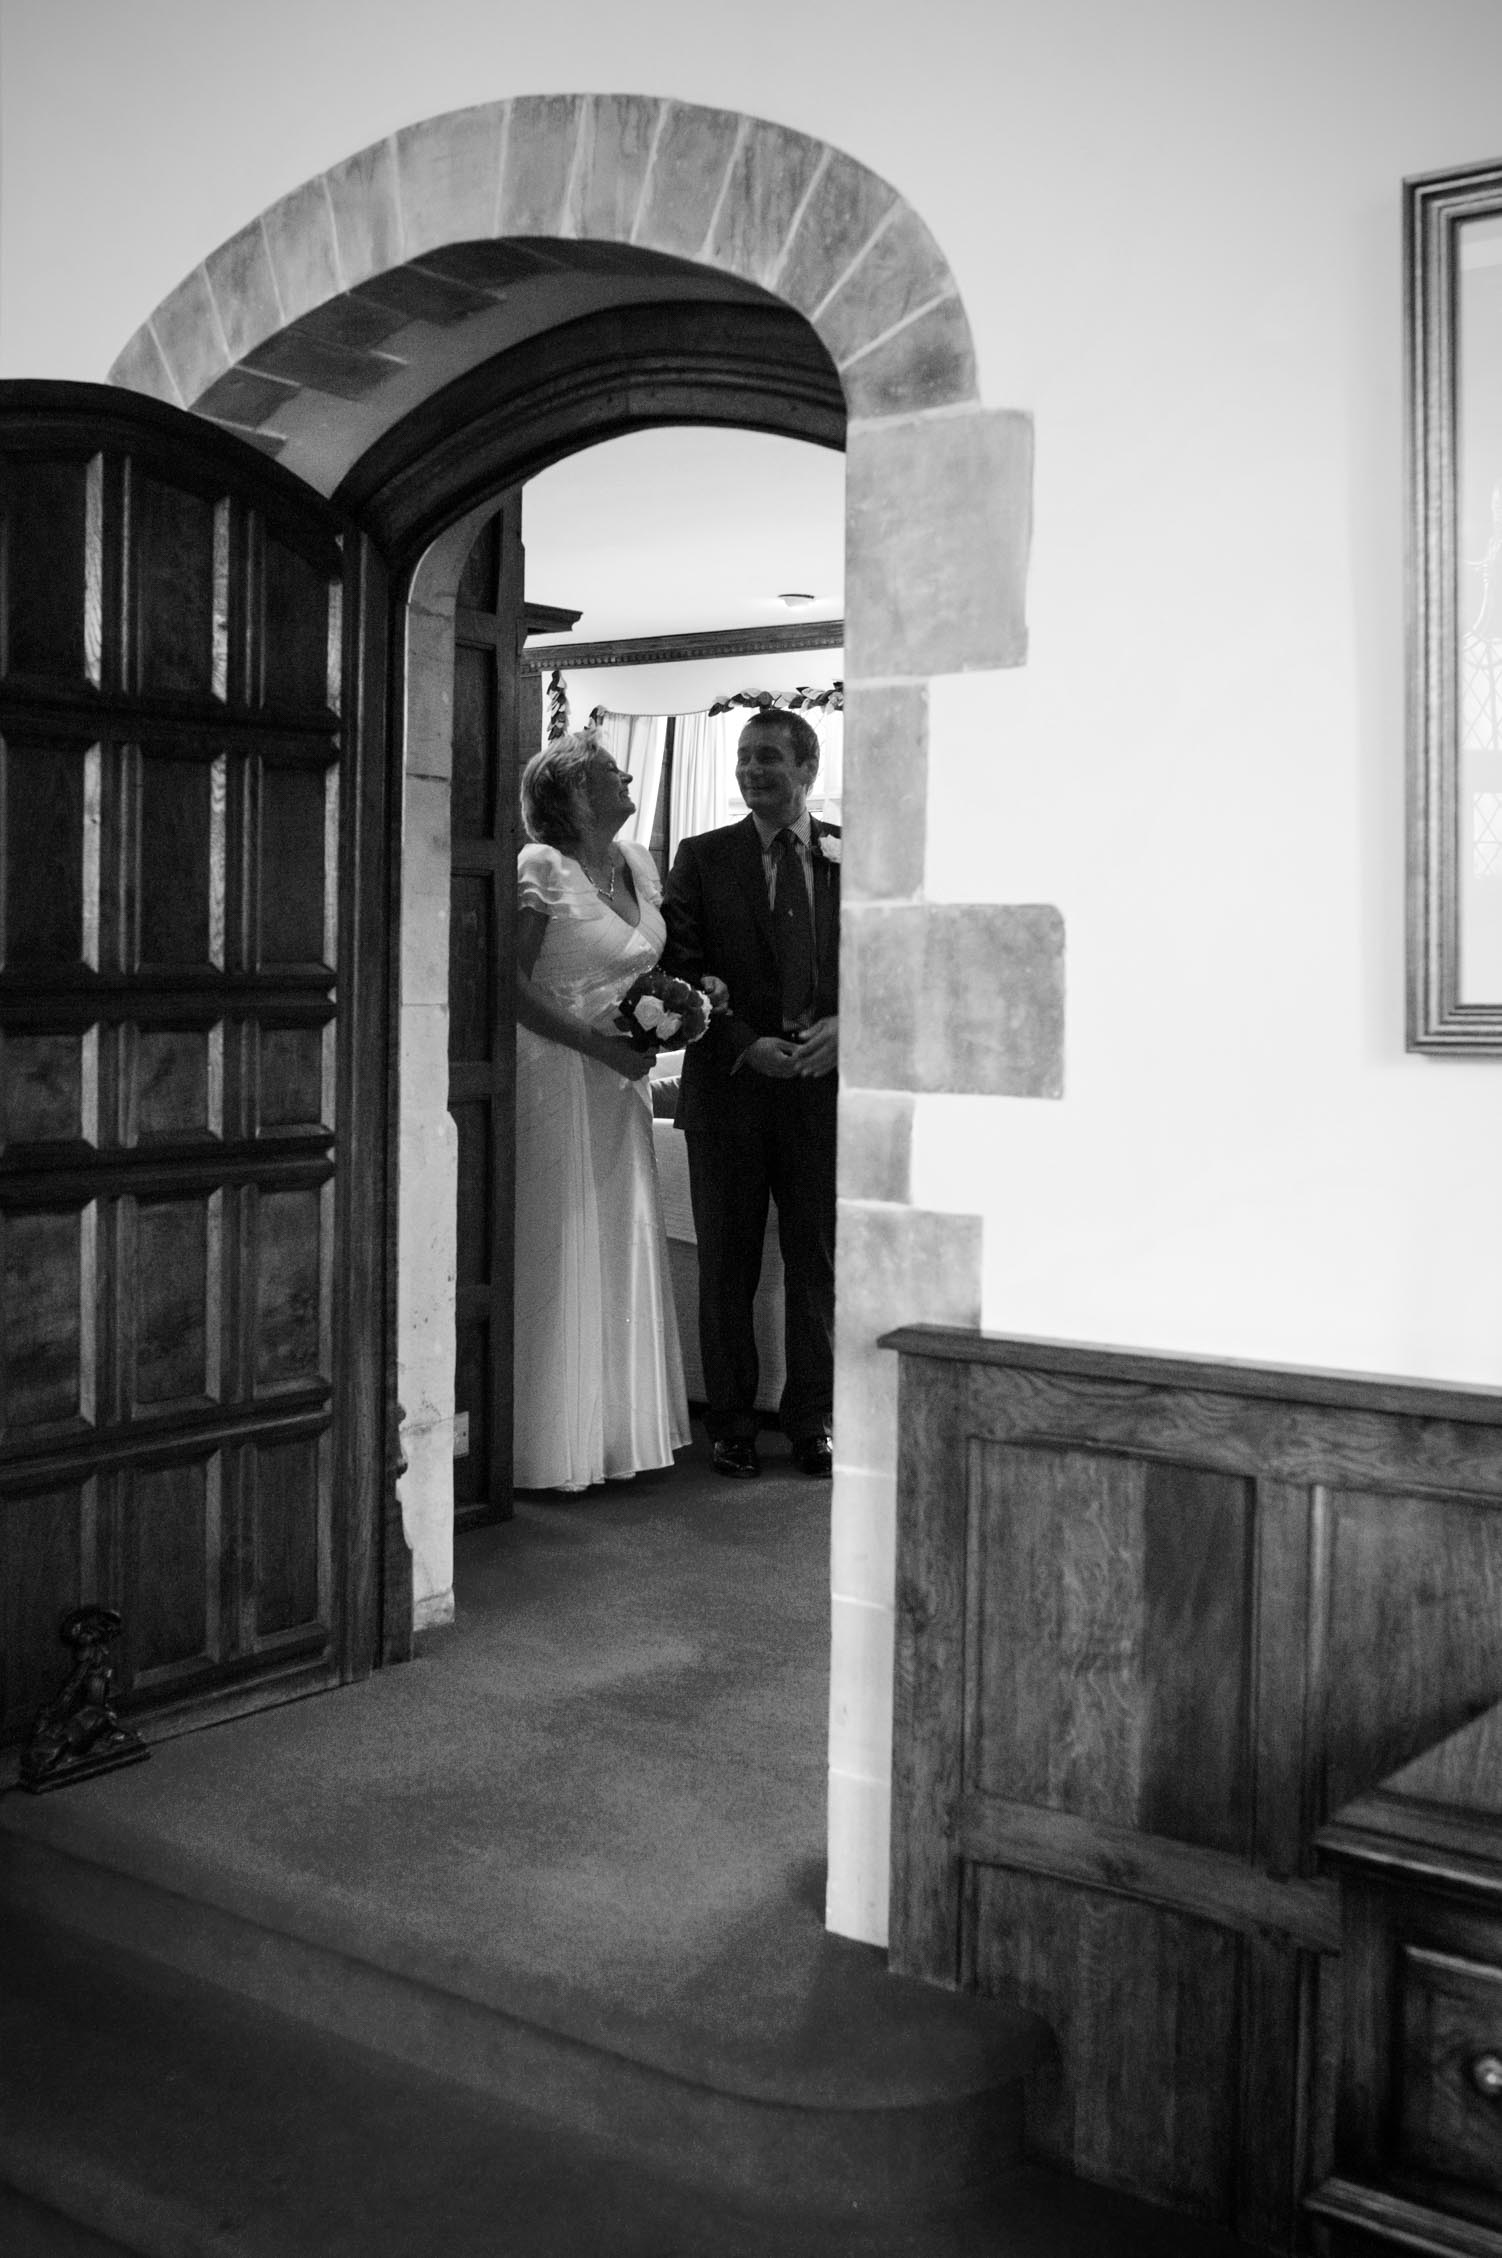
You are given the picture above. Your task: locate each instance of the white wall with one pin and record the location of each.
(1176, 229)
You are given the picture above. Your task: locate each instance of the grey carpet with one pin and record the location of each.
(597, 1802)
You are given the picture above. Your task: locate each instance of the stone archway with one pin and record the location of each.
(368, 289)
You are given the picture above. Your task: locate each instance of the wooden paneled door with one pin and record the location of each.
(497, 722)
(193, 1005)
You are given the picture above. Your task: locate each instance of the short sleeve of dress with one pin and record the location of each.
(549, 884)
(643, 873)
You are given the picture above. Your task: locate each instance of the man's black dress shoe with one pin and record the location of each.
(736, 1456)
(814, 1455)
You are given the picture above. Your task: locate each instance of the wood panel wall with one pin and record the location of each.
(1156, 1619)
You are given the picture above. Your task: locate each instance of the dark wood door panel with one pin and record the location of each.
(487, 756)
(194, 961)
(51, 560)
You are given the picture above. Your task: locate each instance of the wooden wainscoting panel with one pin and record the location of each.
(1133, 1709)
(1284, 1441)
(1155, 1620)
(1144, 2005)
(1415, 1605)
(929, 1673)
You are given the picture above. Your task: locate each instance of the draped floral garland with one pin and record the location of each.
(557, 706)
(831, 700)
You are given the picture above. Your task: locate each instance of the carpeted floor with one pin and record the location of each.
(597, 1801)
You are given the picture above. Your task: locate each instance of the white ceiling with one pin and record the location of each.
(666, 531)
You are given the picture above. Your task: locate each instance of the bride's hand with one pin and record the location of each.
(621, 1055)
(718, 994)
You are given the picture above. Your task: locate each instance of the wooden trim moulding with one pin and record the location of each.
(1207, 1884)
(705, 643)
(1289, 1383)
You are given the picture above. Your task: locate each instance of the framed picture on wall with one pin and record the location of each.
(1453, 242)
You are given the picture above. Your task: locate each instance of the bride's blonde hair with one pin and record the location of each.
(553, 783)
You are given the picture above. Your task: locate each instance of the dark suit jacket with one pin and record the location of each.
(719, 921)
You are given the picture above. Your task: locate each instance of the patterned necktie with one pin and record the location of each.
(795, 932)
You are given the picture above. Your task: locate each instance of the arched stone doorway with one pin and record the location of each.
(354, 329)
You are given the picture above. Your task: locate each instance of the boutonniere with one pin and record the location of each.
(828, 846)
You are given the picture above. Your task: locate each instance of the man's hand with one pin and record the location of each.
(819, 1051)
(773, 1055)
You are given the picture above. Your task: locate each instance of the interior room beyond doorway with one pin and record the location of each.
(693, 571)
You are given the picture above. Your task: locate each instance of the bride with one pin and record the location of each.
(599, 1379)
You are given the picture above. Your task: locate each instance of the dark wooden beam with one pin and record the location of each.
(705, 643)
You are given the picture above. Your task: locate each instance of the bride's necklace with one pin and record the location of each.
(607, 891)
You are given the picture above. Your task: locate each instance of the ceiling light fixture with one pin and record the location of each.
(795, 598)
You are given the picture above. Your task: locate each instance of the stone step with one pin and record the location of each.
(170, 2117)
(875, 2093)
(144, 2111)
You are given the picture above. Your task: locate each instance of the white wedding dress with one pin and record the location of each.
(599, 1379)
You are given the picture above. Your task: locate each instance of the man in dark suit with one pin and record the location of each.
(758, 905)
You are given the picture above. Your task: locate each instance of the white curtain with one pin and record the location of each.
(704, 793)
(704, 788)
(635, 741)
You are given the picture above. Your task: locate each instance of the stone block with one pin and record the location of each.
(491, 269)
(366, 212)
(876, 1145)
(426, 849)
(426, 1492)
(860, 1687)
(927, 363)
(963, 997)
(304, 256)
(191, 340)
(863, 1536)
(694, 150)
(417, 293)
(432, 1611)
(424, 1069)
(903, 1266)
(860, 1828)
(839, 220)
(865, 1402)
(430, 693)
(901, 270)
(243, 396)
(886, 772)
(893, 1265)
(540, 144)
(425, 1363)
(769, 178)
(142, 368)
(425, 950)
(352, 324)
(938, 527)
(244, 290)
(619, 130)
(342, 375)
(448, 173)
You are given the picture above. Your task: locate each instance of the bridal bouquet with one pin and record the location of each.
(660, 1013)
